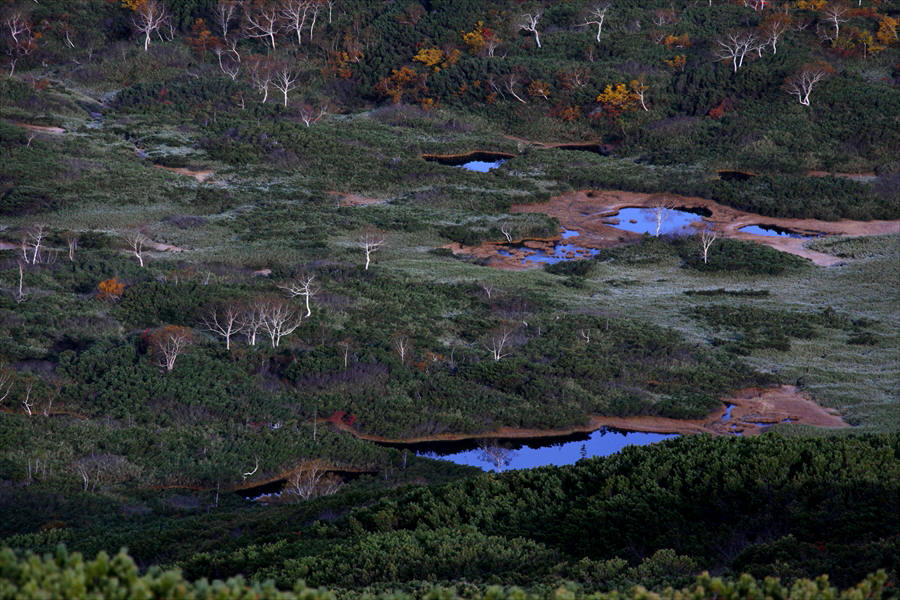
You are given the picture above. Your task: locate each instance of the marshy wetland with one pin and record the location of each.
(401, 302)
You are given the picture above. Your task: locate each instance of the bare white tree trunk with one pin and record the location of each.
(801, 84)
(224, 321)
(279, 320)
(72, 242)
(529, 23)
(370, 242)
(734, 46)
(252, 471)
(136, 240)
(149, 18)
(36, 234)
(707, 237)
(596, 17)
(285, 80)
(302, 287)
(263, 23)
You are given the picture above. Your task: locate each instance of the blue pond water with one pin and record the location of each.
(539, 452)
(727, 415)
(772, 231)
(560, 251)
(643, 220)
(481, 166)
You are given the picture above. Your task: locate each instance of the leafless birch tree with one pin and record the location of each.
(707, 237)
(149, 18)
(36, 235)
(167, 344)
(279, 320)
(136, 240)
(370, 242)
(498, 342)
(285, 80)
(21, 36)
(734, 46)
(263, 22)
(530, 23)
(596, 16)
(801, 84)
(310, 115)
(224, 321)
(72, 242)
(402, 344)
(312, 480)
(302, 287)
(225, 12)
(251, 320)
(835, 13)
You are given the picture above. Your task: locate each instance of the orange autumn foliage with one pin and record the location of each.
(110, 289)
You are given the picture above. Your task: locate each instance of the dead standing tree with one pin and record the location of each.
(312, 480)
(529, 23)
(166, 344)
(302, 287)
(136, 241)
(224, 321)
(707, 237)
(596, 16)
(149, 18)
(370, 241)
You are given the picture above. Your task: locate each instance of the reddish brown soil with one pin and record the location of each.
(200, 176)
(300, 467)
(41, 128)
(590, 213)
(754, 410)
(465, 155)
(854, 176)
(353, 199)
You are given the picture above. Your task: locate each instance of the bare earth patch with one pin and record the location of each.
(753, 411)
(353, 199)
(590, 212)
(41, 128)
(863, 177)
(200, 176)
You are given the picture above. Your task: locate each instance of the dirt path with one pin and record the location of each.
(41, 128)
(590, 212)
(200, 176)
(753, 411)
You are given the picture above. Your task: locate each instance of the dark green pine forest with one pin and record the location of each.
(245, 266)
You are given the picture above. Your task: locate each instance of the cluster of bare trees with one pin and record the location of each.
(21, 40)
(274, 317)
(312, 480)
(33, 401)
(35, 251)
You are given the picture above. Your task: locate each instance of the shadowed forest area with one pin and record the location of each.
(252, 250)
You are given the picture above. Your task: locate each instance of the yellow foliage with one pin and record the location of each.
(618, 98)
(474, 39)
(677, 62)
(430, 57)
(677, 41)
(811, 4)
(887, 30)
(133, 4)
